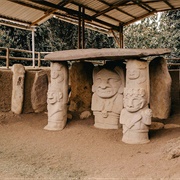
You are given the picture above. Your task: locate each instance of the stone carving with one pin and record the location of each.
(135, 116)
(57, 97)
(18, 88)
(107, 100)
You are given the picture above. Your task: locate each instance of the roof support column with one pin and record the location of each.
(121, 37)
(81, 31)
(33, 48)
(83, 28)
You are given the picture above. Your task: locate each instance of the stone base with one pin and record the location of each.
(136, 137)
(55, 126)
(109, 122)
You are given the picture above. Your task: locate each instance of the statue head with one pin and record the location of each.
(134, 99)
(107, 83)
(54, 96)
(136, 70)
(56, 71)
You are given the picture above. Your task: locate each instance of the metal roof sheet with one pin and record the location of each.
(107, 14)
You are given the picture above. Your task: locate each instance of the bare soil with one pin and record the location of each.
(81, 151)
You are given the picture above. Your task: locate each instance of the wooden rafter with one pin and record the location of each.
(93, 10)
(170, 5)
(115, 5)
(120, 10)
(143, 5)
(75, 13)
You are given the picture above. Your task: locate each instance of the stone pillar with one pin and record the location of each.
(160, 80)
(18, 88)
(107, 100)
(57, 96)
(136, 116)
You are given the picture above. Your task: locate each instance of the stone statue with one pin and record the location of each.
(107, 100)
(135, 116)
(57, 97)
(18, 88)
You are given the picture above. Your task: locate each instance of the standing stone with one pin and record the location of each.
(160, 81)
(136, 116)
(81, 83)
(39, 92)
(107, 100)
(57, 96)
(18, 88)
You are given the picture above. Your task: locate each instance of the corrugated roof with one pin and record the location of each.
(107, 14)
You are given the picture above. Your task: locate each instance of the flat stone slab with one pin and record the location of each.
(103, 54)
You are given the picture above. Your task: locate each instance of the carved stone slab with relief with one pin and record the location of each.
(107, 99)
(57, 97)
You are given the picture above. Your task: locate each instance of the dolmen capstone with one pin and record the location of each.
(115, 99)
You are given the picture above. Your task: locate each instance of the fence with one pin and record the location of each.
(38, 57)
(7, 57)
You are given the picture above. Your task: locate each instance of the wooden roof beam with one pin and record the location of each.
(75, 13)
(143, 5)
(88, 8)
(170, 5)
(115, 5)
(120, 10)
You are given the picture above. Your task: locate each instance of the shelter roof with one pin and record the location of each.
(104, 14)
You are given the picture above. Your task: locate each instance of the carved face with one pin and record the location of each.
(133, 73)
(106, 83)
(134, 99)
(54, 97)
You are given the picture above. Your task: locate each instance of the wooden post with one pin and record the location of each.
(121, 39)
(83, 29)
(39, 59)
(79, 29)
(7, 58)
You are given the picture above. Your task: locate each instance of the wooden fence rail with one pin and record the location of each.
(8, 56)
(38, 56)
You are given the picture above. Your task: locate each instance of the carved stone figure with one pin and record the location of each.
(107, 100)
(135, 116)
(57, 97)
(18, 88)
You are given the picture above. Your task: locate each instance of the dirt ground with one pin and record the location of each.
(81, 151)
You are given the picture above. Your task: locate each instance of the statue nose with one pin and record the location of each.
(103, 84)
(129, 103)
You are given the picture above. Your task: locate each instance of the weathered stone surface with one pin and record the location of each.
(18, 88)
(107, 100)
(6, 89)
(28, 84)
(160, 88)
(103, 54)
(171, 126)
(156, 126)
(175, 88)
(136, 116)
(85, 114)
(39, 92)
(81, 83)
(57, 97)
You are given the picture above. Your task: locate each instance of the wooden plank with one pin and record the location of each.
(104, 54)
